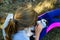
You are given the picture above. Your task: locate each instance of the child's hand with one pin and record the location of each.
(38, 30)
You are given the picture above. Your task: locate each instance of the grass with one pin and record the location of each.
(11, 7)
(54, 34)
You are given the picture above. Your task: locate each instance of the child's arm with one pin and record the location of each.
(38, 30)
(40, 25)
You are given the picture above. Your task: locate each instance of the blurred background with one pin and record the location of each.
(40, 6)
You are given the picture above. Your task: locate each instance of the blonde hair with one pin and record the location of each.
(10, 29)
(25, 17)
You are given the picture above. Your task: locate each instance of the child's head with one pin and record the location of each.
(25, 17)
